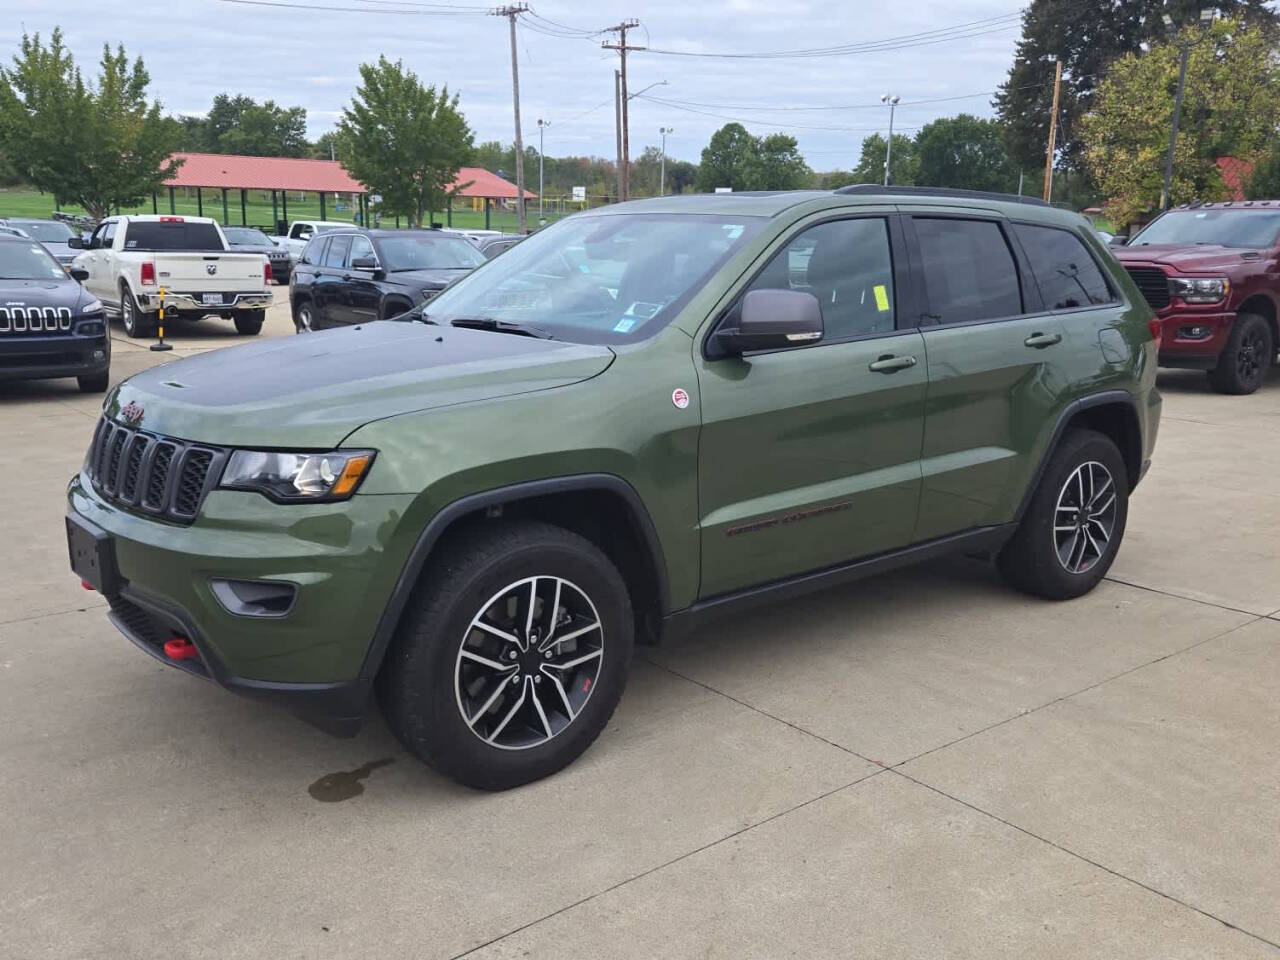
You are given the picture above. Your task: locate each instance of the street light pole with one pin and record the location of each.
(1184, 50)
(662, 165)
(892, 101)
(542, 126)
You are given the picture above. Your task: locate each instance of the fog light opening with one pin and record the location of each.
(1199, 331)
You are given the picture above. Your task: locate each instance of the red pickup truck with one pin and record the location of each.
(1211, 272)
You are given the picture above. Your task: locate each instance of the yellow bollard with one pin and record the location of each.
(160, 344)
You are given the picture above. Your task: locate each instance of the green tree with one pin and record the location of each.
(870, 168)
(1230, 107)
(99, 145)
(734, 158)
(965, 152)
(1087, 35)
(403, 140)
(724, 159)
(325, 146)
(241, 125)
(1264, 183)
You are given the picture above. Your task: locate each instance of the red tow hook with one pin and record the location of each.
(86, 584)
(180, 648)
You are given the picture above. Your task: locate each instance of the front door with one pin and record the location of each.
(993, 373)
(327, 292)
(361, 295)
(96, 261)
(810, 457)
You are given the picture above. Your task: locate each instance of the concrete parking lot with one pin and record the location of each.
(921, 765)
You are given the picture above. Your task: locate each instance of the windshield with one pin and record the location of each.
(51, 232)
(1230, 228)
(427, 252)
(26, 260)
(607, 278)
(246, 235)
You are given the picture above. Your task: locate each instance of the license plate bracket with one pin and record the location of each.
(93, 556)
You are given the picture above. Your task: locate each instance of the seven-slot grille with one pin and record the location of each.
(35, 319)
(158, 475)
(1154, 284)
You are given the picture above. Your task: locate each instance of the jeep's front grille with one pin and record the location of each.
(157, 475)
(1154, 284)
(38, 320)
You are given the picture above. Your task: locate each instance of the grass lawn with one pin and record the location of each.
(24, 202)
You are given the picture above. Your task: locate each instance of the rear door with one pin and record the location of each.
(993, 366)
(810, 456)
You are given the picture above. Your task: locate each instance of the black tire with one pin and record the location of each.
(1032, 560)
(418, 680)
(303, 316)
(136, 324)
(94, 382)
(249, 322)
(1245, 360)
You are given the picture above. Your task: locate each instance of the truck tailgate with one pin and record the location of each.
(222, 272)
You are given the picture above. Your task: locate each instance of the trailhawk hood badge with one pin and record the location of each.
(131, 413)
(211, 268)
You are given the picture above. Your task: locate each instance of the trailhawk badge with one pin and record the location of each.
(680, 397)
(131, 413)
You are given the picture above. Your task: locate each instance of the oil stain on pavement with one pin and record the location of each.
(345, 784)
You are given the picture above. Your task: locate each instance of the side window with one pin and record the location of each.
(300, 231)
(1068, 276)
(969, 271)
(314, 251)
(846, 264)
(108, 233)
(336, 255)
(360, 247)
(95, 240)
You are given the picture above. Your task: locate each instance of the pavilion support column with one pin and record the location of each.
(226, 217)
(448, 213)
(244, 204)
(199, 201)
(173, 207)
(284, 202)
(155, 203)
(486, 213)
(275, 214)
(322, 212)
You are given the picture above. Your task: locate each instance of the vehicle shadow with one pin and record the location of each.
(1196, 381)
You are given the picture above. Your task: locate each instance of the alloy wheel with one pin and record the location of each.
(1085, 517)
(529, 662)
(127, 317)
(1250, 355)
(304, 319)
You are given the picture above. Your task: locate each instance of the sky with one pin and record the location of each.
(195, 49)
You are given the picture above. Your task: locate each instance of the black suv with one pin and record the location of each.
(351, 276)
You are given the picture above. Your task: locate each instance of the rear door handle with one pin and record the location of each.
(891, 364)
(1042, 340)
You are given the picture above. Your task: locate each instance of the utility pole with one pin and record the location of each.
(617, 126)
(892, 101)
(542, 126)
(622, 48)
(511, 12)
(662, 169)
(1053, 133)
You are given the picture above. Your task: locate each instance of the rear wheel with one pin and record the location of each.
(1073, 526)
(134, 321)
(1245, 360)
(511, 657)
(94, 382)
(249, 322)
(303, 316)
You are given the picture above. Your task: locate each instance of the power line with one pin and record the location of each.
(762, 122)
(360, 10)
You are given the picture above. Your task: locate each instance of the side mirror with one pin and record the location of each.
(76, 243)
(80, 274)
(772, 320)
(364, 263)
(1117, 241)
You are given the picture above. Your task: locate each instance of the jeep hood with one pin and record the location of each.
(1192, 258)
(310, 391)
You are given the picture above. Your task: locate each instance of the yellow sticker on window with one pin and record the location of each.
(882, 298)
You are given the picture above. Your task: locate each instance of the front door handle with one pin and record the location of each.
(891, 364)
(1042, 340)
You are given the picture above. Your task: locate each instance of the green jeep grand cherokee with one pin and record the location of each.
(636, 418)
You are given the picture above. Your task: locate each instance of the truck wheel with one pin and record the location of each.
(134, 320)
(1074, 524)
(511, 657)
(303, 317)
(94, 382)
(1244, 362)
(249, 322)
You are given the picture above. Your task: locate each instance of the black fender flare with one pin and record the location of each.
(393, 304)
(442, 520)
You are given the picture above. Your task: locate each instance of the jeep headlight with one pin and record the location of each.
(1200, 290)
(297, 477)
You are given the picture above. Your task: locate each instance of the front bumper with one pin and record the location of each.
(344, 559)
(1180, 349)
(46, 356)
(194, 302)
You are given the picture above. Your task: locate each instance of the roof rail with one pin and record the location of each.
(857, 188)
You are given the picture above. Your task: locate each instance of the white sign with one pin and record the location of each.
(375, 198)
(579, 194)
(724, 189)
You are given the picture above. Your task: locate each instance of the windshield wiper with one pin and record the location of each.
(501, 326)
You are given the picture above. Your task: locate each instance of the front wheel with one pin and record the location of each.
(1245, 360)
(512, 656)
(94, 382)
(1073, 526)
(249, 323)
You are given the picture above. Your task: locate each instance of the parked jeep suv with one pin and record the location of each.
(632, 420)
(1210, 271)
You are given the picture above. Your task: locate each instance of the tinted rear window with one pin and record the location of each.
(969, 270)
(160, 236)
(337, 254)
(1068, 275)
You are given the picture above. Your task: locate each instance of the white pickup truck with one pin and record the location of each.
(130, 259)
(301, 232)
